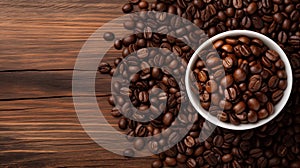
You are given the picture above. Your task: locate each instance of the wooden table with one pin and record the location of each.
(39, 43)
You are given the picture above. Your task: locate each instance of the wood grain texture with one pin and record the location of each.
(38, 47)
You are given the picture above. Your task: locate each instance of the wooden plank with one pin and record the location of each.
(39, 43)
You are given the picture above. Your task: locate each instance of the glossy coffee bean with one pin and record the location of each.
(253, 104)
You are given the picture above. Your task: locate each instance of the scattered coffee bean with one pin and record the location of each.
(108, 36)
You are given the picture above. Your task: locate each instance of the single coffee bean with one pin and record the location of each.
(202, 76)
(282, 84)
(157, 164)
(239, 107)
(261, 97)
(239, 75)
(212, 62)
(139, 144)
(228, 63)
(272, 55)
(237, 4)
(108, 36)
(223, 116)
(168, 118)
(262, 114)
(217, 44)
(104, 68)
(231, 94)
(281, 74)
(128, 153)
(228, 48)
(191, 163)
(115, 112)
(123, 123)
(218, 141)
(127, 8)
(256, 153)
(252, 116)
(211, 159)
(211, 86)
(143, 5)
(279, 64)
(189, 141)
(273, 82)
(255, 83)
(253, 104)
(278, 17)
(252, 7)
(255, 67)
(170, 161)
(226, 105)
(234, 120)
(227, 81)
(277, 95)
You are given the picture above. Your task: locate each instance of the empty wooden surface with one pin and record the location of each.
(38, 46)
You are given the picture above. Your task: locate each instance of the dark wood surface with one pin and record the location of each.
(39, 43)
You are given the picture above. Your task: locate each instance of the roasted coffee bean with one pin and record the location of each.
(128, 153)
(104, 68)
(143, 5)
(212, 62)
(109, 36)
(211, 159)
(252, 116)
(239, 75)
(127, 8)
(245, 50)
(123, 123)
(239, 107)
(261, 97)
(218, 141)
(282, 84)
(115, 112)
(262, 114)
(278, 17)
(231, 94)
(228, 63)
(227, 81)
(226, 105)
(157, 164)
(143, 96)
(262, 162)
(253, 104)
(202, 76)
(255, 83)
(211, 86)
(191, 163)
(252, 7)
(273, 82)
(170, 161)
(139, 144)
(272, 55)
(277, 95)
(228, 48)
(189, 141)
(168, 118)
(204, 97)
(255, 67)
(256, 153)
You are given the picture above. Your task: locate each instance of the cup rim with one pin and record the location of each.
(270, 44)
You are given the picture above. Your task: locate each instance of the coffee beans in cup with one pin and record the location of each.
(252, 80)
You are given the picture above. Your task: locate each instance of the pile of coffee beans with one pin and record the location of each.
(252, 80)
(275, 144)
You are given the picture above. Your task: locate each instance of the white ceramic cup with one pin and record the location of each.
(271, 45)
